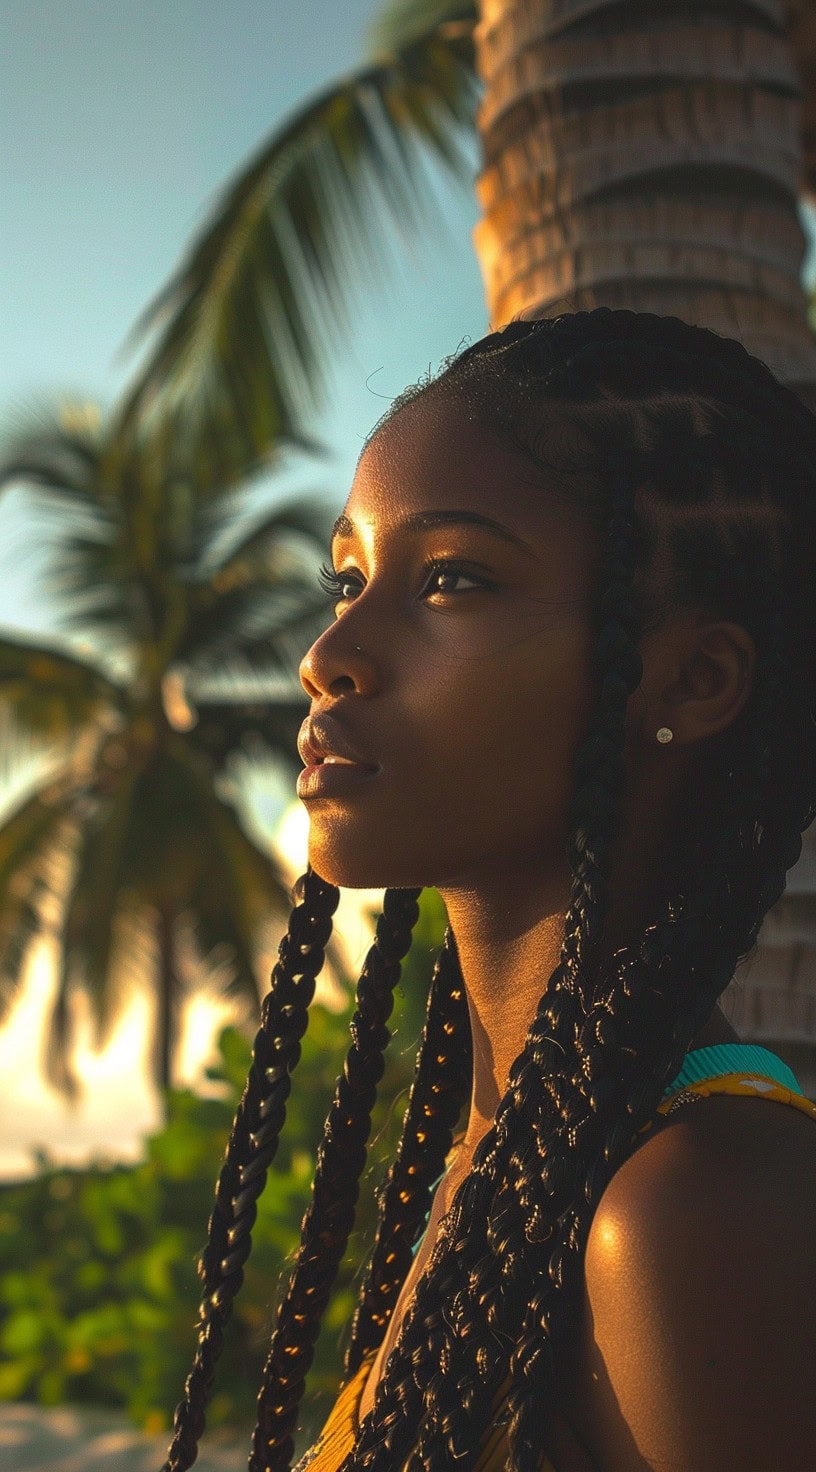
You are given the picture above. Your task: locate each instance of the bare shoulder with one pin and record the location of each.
(698, 1341)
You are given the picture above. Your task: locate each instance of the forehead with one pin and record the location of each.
(435, 453)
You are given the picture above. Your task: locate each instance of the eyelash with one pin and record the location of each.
(333, 582)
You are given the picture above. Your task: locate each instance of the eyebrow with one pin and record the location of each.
(426, 520)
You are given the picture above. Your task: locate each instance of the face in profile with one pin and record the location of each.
(471, 687)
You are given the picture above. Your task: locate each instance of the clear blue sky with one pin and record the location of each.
(118, 126)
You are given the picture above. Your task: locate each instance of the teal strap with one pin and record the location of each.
(710, 1062)
(733, 1058)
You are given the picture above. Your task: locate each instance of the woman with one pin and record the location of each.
(570, 683)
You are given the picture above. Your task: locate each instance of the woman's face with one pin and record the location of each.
(471, 685)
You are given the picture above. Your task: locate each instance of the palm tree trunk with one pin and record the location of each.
(651, 157)
(647, 157)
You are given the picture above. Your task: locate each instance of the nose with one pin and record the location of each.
(332, 668)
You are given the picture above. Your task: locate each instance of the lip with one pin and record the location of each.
(330, 779)
(321, 736)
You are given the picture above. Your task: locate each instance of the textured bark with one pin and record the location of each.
(647, 156)
(801, 16)
(650, 154)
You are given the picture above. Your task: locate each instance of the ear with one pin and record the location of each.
(697, 676)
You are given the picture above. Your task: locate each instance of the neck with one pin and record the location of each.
(509, 943)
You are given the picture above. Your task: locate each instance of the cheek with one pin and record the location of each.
(480, 763)
(529, 735)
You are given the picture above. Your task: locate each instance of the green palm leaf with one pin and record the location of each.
(262, 546)
(35, 846)
(243, 324)
(254, 631)
(60, 449)
(52, 694)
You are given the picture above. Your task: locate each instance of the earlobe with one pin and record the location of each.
(715, 682)
(698, 677)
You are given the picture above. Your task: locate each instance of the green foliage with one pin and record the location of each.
(98, 1285)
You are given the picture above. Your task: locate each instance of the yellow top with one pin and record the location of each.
(337, 1437)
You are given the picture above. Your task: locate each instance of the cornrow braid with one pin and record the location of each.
(439, 1090)
(340, 1162)
(252, 1146)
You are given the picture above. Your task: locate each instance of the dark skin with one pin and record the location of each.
(462, 689)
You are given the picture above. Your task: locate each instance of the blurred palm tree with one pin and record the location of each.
(251, 315)
(655, 157)
(130, 847)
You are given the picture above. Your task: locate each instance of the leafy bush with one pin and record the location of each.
(98, 1285)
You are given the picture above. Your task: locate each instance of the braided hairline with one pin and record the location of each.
(390, 1440)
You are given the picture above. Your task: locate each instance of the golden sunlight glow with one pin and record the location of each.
(117, 1104)
(115, 1107)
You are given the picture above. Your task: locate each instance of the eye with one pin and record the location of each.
(437, 568)
(333, 582)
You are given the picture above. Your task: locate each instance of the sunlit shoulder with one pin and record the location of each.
(698, 1341)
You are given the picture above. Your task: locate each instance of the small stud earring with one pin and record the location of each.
(664, 735)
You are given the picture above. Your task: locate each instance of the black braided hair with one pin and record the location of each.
(441, 1087)
(253, 1144)
(340, 1163)
(503, 1279)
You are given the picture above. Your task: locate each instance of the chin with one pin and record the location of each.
(362, 871)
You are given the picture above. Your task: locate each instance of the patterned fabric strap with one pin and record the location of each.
(747, 1085)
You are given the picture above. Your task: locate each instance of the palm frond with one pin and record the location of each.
(35, 845)
(251, 631)
(229, 886)
(92, 585)
(95, 896)
(59, 450)
(225, 547)
(401, 22)
(243, 323)
(52, 694)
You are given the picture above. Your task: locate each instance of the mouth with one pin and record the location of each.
(323, 742)
(333, 777)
